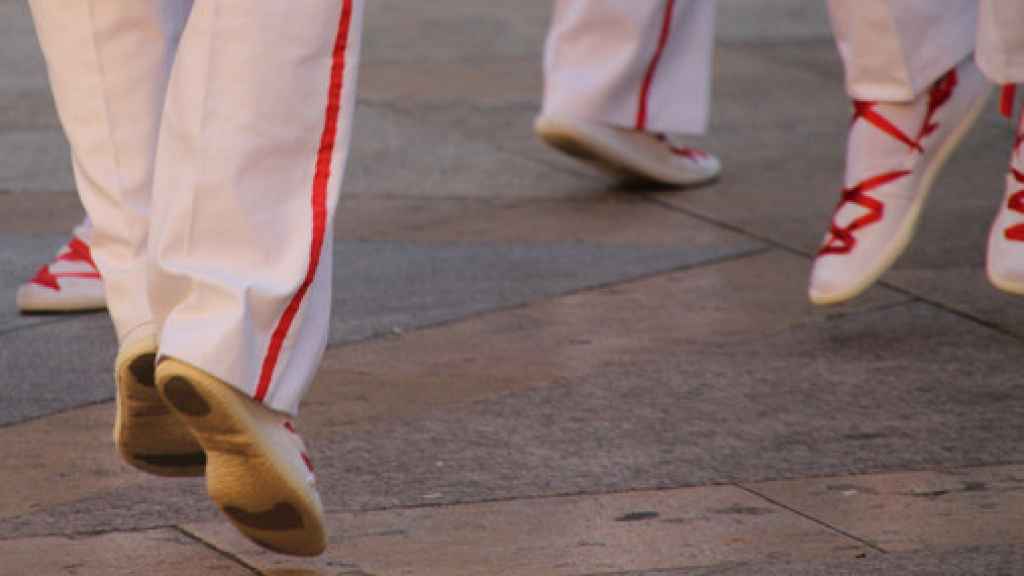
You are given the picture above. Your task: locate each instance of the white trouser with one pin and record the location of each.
(894, 49)
(209, 142)
(639, 64)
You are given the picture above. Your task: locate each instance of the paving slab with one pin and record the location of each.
(641, 402)
(60, 459)
(37, 213)
(595, 392)
(35, 160)
(573, 535)
(914, 510)
(604, 218)
(24, 92)
(379, 291)
(966, 289)
(33, 384)
(764, 23)
(422, 152)
(155, 552)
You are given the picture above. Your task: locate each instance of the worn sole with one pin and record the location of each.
(147, 434)
(249, 474)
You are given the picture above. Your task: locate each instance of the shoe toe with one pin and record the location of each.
(1005, 271)
(824, 287)
(832, 280)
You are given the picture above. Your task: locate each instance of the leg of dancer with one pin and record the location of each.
(70, 283)
(916, 92)
(247, 125)
(109, 64)
(622, 75)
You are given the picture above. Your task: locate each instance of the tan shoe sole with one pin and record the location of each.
(253, 473)
(147, 434)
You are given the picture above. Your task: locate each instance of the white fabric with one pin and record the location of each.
(195, 160)
(1001, 40)
(598, 54)
(894, 49)
(111, 121)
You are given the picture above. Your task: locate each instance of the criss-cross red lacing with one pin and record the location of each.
(1016, 203)
(842, 240)
(684, 151)
(1016, 200)
(77, 251)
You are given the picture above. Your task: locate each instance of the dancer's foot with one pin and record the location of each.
(894, 153)
(71, 283)
(257, 469)
(146, 433)
(1005, 260)
(626, 153)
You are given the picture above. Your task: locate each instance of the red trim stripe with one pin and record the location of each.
(1006, 99)
(645, 89)
(319, 200)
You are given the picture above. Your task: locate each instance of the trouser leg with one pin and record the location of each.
(894, 49)
(252, 149)
(1001, 40)
(639, 64)
(108, 64)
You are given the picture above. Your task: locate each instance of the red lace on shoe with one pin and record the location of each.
(77, 251)
(1016, 203)
(686, 152)
(1016, 200)
(842, 240)
(305, 457)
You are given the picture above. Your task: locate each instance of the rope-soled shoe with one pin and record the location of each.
(146, 433)
(257, 469)
(631, 154)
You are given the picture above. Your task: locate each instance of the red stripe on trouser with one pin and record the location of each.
(645, 89)
(319, 201)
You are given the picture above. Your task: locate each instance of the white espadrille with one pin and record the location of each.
(894, 153)
(632, 154)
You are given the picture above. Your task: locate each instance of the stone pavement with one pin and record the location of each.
(535, 371)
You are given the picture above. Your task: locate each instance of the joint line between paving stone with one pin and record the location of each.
(385, 334)
(58, 320)
(795, 251)
(818, 521)
(69, 409)
(234, 558)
